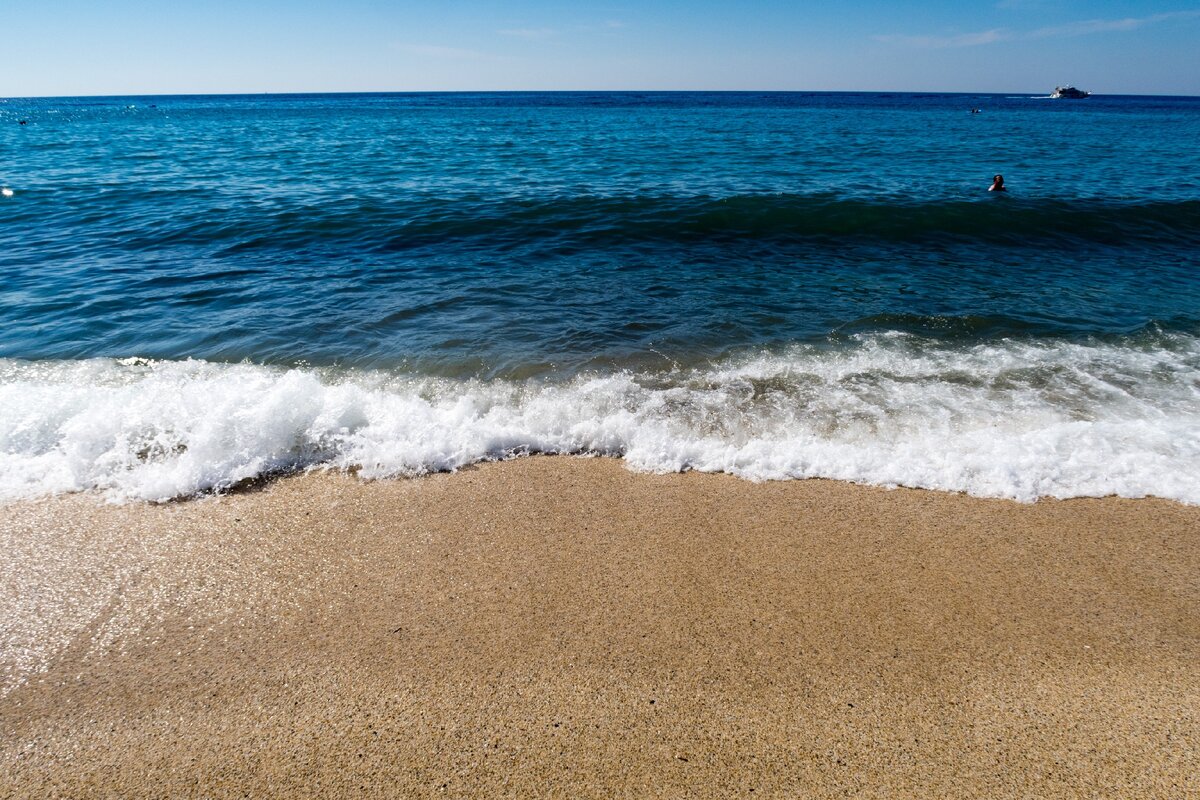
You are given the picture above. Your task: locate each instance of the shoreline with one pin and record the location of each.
(557, 625)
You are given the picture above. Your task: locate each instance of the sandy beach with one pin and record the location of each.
(559, 626)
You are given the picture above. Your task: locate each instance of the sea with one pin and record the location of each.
(201, 292)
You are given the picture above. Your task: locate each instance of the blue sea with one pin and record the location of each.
(197, 292)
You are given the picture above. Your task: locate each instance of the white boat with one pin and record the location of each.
(1068, 93)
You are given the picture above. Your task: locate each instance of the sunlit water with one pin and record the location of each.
(198, 291)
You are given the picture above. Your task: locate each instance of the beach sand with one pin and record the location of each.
(556, 626)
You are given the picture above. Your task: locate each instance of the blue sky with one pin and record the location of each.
(131, 47)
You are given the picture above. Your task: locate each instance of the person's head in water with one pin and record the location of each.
(997, 184)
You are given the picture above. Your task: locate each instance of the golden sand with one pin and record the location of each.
(565, 627)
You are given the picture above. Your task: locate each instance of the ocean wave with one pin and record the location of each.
(580, 221)
(1010, 418)
(592, 220)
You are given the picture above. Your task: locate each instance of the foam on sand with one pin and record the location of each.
(1013, 418)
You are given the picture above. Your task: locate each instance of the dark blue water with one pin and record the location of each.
(490, 240)
(509, 233)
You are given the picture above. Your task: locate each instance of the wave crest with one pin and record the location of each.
(576, 221)
(1018, 419)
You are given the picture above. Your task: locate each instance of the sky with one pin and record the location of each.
(78, 47)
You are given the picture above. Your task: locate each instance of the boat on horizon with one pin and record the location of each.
(1068, 93)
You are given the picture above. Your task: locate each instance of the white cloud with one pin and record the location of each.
(1084, 27)
(438, 51)
(1081, 28)
(548, 33)
(529, 33)
(959, 40)
(1021, 5)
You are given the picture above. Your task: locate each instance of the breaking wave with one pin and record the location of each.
(1010, 418)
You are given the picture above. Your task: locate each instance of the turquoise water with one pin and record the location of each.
(195, 291)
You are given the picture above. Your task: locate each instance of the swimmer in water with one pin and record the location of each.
(997, 184)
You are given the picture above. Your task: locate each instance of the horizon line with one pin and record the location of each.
(569, 91)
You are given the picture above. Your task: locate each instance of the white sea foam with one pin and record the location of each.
(1007, 419)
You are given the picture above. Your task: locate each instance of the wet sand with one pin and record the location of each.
(565, 627)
